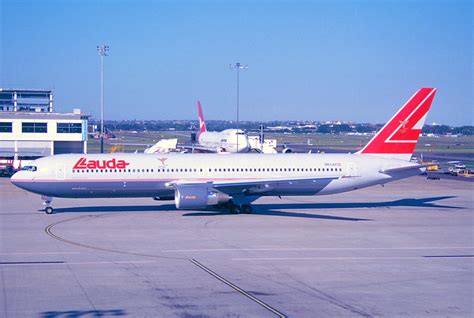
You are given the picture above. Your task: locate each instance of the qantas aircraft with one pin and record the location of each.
(195, 181)
(229, 140)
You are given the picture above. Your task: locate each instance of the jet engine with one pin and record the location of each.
(287, 150)
(197, 197)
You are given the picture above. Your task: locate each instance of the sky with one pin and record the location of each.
(355, 60)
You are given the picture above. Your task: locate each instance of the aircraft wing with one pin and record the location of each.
(252, 186)
(199, 148)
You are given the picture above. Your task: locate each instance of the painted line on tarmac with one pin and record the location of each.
(32, 263)
(448, 256)
(237, 288)
(40, 253)
(72, 263)
(335, 258)
(48, 231)
(318, 249)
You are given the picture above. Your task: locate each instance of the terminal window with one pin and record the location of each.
(34, 127)
(5, 127)
(69, 128)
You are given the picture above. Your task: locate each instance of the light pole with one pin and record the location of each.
(102, 49)
(237, 66)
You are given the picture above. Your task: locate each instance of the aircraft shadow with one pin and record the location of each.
(258, 211)
(115, 208)
(409, 202)
(276, 208)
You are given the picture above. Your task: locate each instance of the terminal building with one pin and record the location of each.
(29, 127)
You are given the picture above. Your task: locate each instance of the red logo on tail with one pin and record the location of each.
(400, 134)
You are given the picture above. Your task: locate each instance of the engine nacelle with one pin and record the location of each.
(197, 197)
(287, 150)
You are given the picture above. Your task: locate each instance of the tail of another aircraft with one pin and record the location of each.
(398, 138)
(202, 123)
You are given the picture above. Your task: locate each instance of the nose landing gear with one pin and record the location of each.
(47, 203)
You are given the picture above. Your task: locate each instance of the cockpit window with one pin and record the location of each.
(29, 168)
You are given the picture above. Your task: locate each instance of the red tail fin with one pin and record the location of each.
(398, 138)
(202, 124)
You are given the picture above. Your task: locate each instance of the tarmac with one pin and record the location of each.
(403, 250)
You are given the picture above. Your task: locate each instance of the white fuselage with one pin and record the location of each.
(142, 175)
(229, 140)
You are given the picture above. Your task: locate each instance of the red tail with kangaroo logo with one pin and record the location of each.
(398, 138)
(202, 123)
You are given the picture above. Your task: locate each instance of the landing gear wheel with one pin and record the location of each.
(247, 209)
(235, 209)
(49, 210)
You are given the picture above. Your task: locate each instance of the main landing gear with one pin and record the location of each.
(47, 203)
(239, 208)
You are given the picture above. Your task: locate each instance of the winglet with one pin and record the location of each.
(398, 138)
(202, 123)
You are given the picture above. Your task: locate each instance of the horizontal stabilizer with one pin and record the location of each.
(406, 169)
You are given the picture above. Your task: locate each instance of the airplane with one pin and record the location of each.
(233, 181)
(228, 140)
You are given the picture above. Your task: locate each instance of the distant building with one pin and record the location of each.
(29, 128)
(26, 100)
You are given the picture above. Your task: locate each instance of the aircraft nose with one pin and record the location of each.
(20, 180)
(15, 178)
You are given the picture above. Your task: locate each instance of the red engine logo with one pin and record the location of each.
(83, 163)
